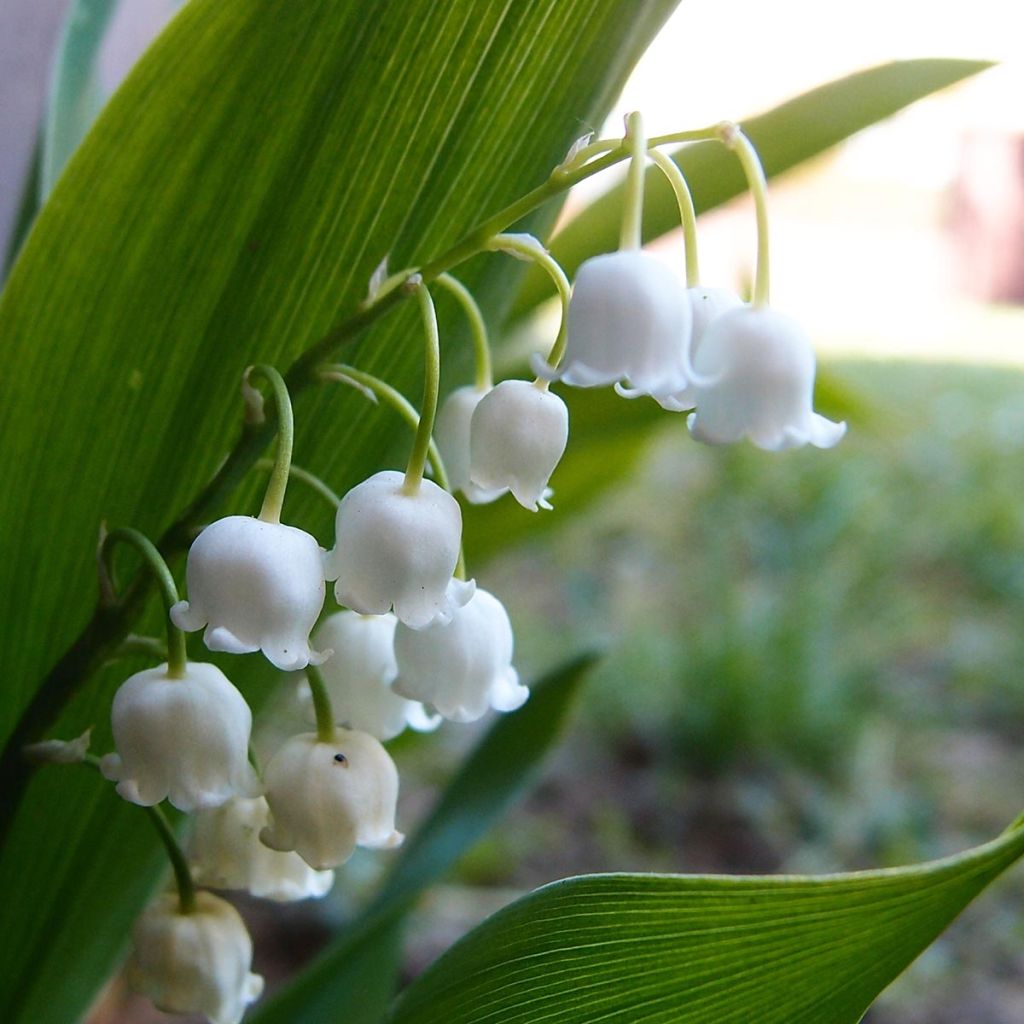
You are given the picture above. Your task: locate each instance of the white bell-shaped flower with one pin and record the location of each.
(629, 322)
(198, 962)
(462, 668)
(327, 798)
(452, 434)
(255, 586)
(755, 379)
(184, 739)
(359, 675)
(706, 304)
(225, 852)
(518, 434)
(398, 550)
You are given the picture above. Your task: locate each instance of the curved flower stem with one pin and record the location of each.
(687, 214)
(633, 215)
(176, 657)
(733, 137)
(376, 388)
(148, 645)
(311, 480)
(273, 500)
(182, 875)
(526, 247)
(321, 705)
(481, 348)
(431, 385)
(101, 634)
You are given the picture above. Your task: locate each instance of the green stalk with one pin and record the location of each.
(431, 385)
(342, 373)
(528, 248)
(182, 875)
(733, 137)
(633, 214)
(273, 500)
(176, 657)
(321, 705)
(311, 480)
(687, 213)
(481, 347)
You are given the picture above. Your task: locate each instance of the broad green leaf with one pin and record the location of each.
(622, 949)
(787, 136)
(500, 768)
(228, 207)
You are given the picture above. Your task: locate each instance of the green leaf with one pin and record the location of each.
(76, 96)
(228, 207)
(498, 770)
(702, 949)
(787, 136)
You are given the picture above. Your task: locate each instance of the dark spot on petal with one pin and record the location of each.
(341, 759)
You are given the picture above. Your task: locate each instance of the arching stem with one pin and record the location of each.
(733, 137)
(633, 213)
(311, 480)
(176, 657)
(273, 500)
(687, 213)
(481, 347)
(431, 384)
(182, 875)
(376, 388)
(526, 247)
(321, 705)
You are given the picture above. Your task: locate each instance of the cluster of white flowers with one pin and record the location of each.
(415, 641)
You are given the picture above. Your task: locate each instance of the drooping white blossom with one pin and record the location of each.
(255, 586)
(225, 852)
(518, 434)
(327, 798)
(395, 550)
(359, 675)
(629, 322)
(186, 740)
(755, 379)
(706, 304)
(464, 667)
(199, 962)
(452, 433)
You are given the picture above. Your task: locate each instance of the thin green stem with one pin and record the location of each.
(182, 875)
(477, 326)
(273, 500)
(431, 385)
(147, 645)
(732, 135)
(687, 213)
(321, 705)
(633, 212)
(526, 247)
(304, 476)
(342, 373)
(176, 657)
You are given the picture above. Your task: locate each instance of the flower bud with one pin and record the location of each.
(462, 668)
(359, 676)
(518, 433)
(629, 321)
(398, 550)
(184, 739)
(755, 379)
(194, 963)
(225, 852)
(256, 586)
(452, 433)
(327, 798)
